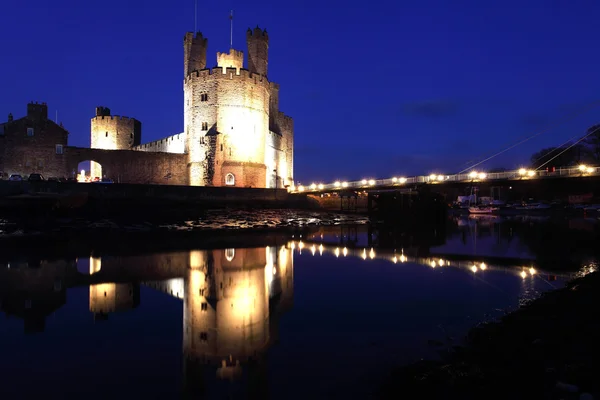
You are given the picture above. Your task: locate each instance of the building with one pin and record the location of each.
(32, 144)
(234, 133)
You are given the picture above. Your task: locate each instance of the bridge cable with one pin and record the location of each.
(571, 117)
(555, 149)
(574, 144)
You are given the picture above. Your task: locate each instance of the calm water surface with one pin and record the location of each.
(319, 316)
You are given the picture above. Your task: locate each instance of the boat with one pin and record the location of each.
(482, 210)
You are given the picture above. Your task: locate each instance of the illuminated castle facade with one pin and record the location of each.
(234, 133)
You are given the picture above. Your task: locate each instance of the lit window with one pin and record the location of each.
(29, 131)
(229, 253)
(229, 179)
(59, 149)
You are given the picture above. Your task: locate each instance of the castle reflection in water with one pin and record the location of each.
(231, 298)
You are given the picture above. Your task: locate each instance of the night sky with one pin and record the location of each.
(376, 89)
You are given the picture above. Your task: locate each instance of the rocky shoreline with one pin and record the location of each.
(545, 350)
(234, 228)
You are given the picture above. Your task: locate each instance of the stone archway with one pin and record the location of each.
(89, 171)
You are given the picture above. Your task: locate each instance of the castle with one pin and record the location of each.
(234, 133)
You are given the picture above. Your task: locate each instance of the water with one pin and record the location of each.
(324, 315)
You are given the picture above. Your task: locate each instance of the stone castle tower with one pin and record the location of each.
(235, 134)
(112, 132)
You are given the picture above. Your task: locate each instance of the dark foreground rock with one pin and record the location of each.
(546, 350)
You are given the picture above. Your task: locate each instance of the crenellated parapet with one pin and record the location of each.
(171, 144)
(115, 118)
(218, 73)
(232, 59)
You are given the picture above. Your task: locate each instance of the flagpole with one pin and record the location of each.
(231, 29)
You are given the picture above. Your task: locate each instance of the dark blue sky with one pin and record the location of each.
(376, 88)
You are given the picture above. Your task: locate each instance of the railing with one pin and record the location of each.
(472, 176)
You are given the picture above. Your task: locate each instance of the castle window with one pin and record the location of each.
(204, 97)
(229, 179)
(205, 126)
(29, 131)
(131, 135)
(204, 306)
(204, 336)
(230, 151)
(106, 134)
(221, 147)
(229, 253)
(59, 149)
(202, 140)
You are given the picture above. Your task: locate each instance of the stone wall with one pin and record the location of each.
(170, 144)
(232, 105)
(113, 132)
(37, 150)
(129, 166)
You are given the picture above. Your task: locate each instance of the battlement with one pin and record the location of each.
(102, 111)
(195, 37)
(257, 33)
(37, 110)
(227, 73)
(233, 59)
(274, 85)
(114, 117)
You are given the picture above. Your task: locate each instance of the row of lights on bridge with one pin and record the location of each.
(474, 175)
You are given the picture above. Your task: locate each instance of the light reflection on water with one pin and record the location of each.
(313, 316)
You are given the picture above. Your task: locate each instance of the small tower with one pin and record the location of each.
(258, 51)
(233, 59)
(194, 52)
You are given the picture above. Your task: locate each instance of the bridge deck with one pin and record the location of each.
(473, 176)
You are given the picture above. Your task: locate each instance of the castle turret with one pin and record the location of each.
(194, 52)
(112, 132)
(258, 51)
(233, 59)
